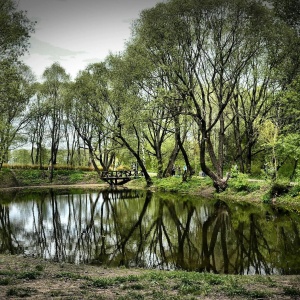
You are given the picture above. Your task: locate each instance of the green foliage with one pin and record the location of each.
(15, 37)
(70, 275)
(294, 191)
(277, 189)
(241, 183)
(29, 177)
(290, 291)
(20, 292)
(256, 170)
(39, 268)
(123, 168)
(76, 177)
(175, 184)
(5, 281)
(105, 283)
(29, 275)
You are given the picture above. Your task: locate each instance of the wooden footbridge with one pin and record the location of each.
(118, 177)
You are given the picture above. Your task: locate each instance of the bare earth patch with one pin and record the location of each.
(34, 278)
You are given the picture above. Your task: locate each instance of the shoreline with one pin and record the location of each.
(56, 186)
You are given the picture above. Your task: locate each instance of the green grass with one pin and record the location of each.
(30, 177)
(291, 291)
(31, 275)
(187, 285)
(20, 292)
(115, 283)
(175, 184)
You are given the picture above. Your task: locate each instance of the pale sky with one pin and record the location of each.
(75, 33)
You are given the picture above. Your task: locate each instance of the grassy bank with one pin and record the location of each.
(240, 188)
(34, 278)
(35, 177)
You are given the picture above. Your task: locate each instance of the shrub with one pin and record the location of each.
(29, 275)
(279, 188)
(295, 191)
(123, 168)
(241, 184)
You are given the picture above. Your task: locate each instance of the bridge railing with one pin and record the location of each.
(119, 174)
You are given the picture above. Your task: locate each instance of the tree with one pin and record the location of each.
(15, 77)
(55, 79)
(158, 123)
(90, 117)
(289, 12)
(15, 31)
(15, 92)
(204, 48)
(37, 126)
(124, 103)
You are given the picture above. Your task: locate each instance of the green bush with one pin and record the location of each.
(256, 170)
(279, 188)
(295, 191)
(241, 183)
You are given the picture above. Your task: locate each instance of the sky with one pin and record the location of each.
(75, 33)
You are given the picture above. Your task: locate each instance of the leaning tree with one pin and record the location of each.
(204, 48)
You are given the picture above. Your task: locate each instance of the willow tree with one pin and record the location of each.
(126, 111)
(15, 93)
(15, 77)
(15, 31)
(53, 87)
(157, 114)
(89, 114)
(204, 48)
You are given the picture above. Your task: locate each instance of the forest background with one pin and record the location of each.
(209, 85)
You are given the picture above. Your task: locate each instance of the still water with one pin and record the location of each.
(150, 230)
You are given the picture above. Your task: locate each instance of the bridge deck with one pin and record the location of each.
(118, 177)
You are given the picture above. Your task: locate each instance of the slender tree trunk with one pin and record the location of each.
(219, 183)
(294, 169)
(138, 159)
(190, 170)
(168, 171)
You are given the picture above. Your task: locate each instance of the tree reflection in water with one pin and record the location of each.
(135, 228)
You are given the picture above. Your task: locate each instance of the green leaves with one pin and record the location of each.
(15, 30)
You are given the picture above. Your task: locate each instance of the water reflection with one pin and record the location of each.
(141, 229)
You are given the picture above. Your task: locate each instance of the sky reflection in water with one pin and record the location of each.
(141, 229)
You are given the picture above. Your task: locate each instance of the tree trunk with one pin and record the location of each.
(294, 169)
(168, 171)
(190, 170)
(219, 183)
(139, 161)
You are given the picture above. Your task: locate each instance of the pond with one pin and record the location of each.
(150, 230)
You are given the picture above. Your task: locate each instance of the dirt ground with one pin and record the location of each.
(34, 278)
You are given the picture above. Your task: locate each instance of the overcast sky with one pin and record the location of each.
(78, 32)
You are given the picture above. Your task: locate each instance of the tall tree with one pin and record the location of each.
(126, 107)
(90, 117)
(55, 79)
(15, 77)
(15, 31)
(204, 48)
(37, 126)
(15, 92)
